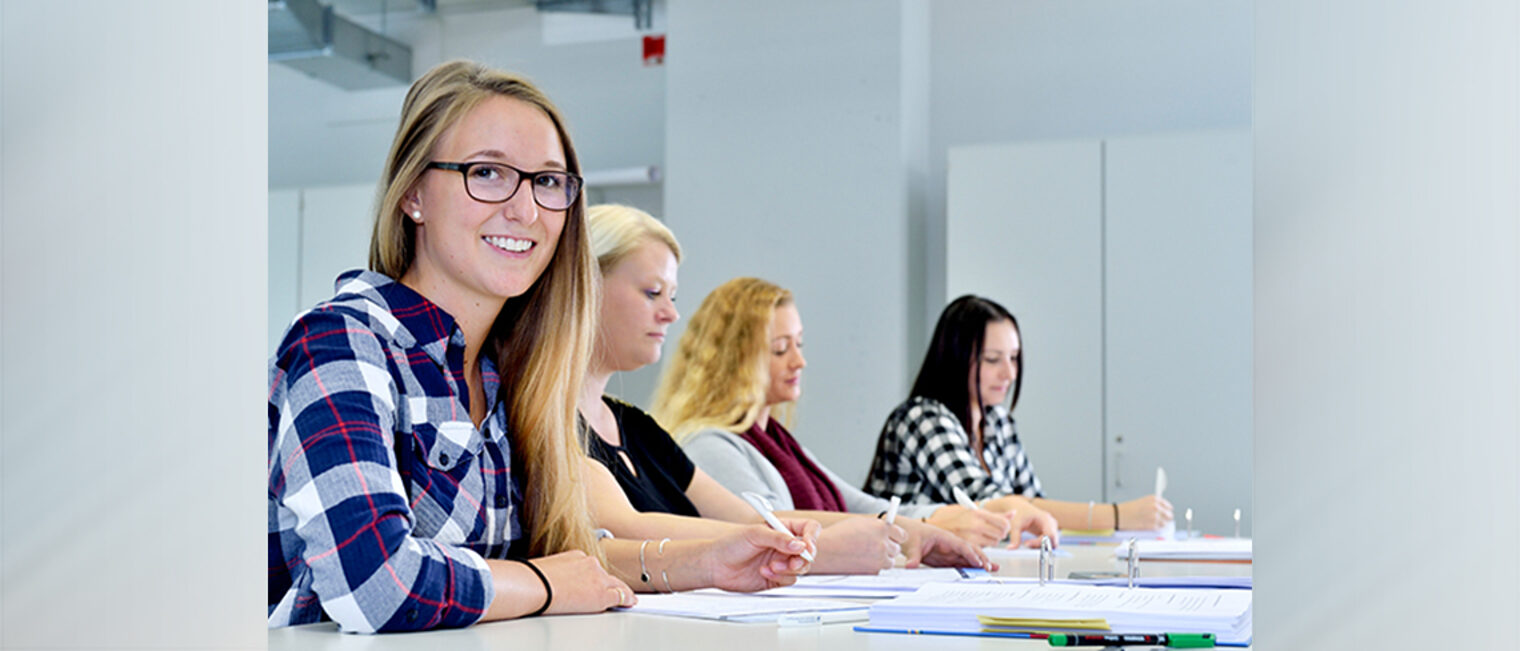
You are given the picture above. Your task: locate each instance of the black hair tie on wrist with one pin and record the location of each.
(1116, 514)
(548, 591)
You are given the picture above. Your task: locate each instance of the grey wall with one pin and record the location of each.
(1387, 305)
(785, 159)
(132, 273)
(1019, 70)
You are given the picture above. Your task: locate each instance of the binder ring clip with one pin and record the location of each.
(1047, 561)
(1134, 561)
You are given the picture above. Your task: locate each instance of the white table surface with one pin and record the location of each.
(618, 630)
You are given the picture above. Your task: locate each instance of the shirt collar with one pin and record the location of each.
(421, 322)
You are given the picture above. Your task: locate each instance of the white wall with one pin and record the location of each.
(785, 159)
(1387, 306)
(132, 274)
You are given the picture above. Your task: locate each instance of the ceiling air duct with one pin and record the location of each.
(310, 37)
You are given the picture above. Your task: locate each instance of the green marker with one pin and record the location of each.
(1173, 640)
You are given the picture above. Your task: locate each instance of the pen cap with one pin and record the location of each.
(1190, 640)
(1061, 639)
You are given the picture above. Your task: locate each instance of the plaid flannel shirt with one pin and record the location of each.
(924, 451)
(383, 497)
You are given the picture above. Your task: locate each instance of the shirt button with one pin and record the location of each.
(443, 459)
(501, 501)
(411, 615)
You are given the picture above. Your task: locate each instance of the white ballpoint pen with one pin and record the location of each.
(763, 507)
(897, 501)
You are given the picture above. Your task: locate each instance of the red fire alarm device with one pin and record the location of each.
(654, 50)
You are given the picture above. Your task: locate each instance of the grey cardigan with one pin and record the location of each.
(739, 467)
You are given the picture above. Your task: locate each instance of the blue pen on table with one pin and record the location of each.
(762, 506)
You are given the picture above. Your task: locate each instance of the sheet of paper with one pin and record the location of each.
(1003, 553)
(735, 607)
(1076, 537)
(896, 578)
(1207, 549)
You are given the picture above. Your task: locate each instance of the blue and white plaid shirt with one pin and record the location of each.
(924, 452)
(384, 499)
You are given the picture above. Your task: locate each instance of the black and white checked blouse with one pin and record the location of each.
(924, 451)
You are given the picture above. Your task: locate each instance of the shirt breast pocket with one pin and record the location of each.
(445, 482)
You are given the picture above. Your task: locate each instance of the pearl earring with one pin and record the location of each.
(417, 216)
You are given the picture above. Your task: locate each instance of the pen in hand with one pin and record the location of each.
(762, 506)
(963, 499)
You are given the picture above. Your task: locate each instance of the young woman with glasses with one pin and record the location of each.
(423, 465)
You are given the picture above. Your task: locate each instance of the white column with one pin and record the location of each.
(1387, 365)
(132, 289)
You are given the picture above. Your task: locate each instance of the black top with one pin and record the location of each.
(664, 470)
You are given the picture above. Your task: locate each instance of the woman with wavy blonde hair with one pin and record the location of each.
(740, 360)
(424, 469)
(719, 375)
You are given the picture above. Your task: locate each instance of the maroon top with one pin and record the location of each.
(811, 489)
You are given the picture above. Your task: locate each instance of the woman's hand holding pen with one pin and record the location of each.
(1145, 513)
(756, 557)
(1036, 522)
(859, 545)
(931, 545)
(978, 527)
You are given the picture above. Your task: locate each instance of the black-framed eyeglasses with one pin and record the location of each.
(497, 182)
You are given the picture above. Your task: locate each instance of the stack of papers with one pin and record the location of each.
(956, 608)
(1200, 549)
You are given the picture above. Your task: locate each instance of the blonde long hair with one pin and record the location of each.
(616, 230)
(541, 340)
(719, 374)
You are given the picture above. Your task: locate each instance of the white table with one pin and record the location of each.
(619, 631)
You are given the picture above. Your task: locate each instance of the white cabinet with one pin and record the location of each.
(314, 235)
(1128, 263)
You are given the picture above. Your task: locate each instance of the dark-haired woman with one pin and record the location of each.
(953, 432)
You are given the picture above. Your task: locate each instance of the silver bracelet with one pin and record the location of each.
(661, 551)
(643, 570)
